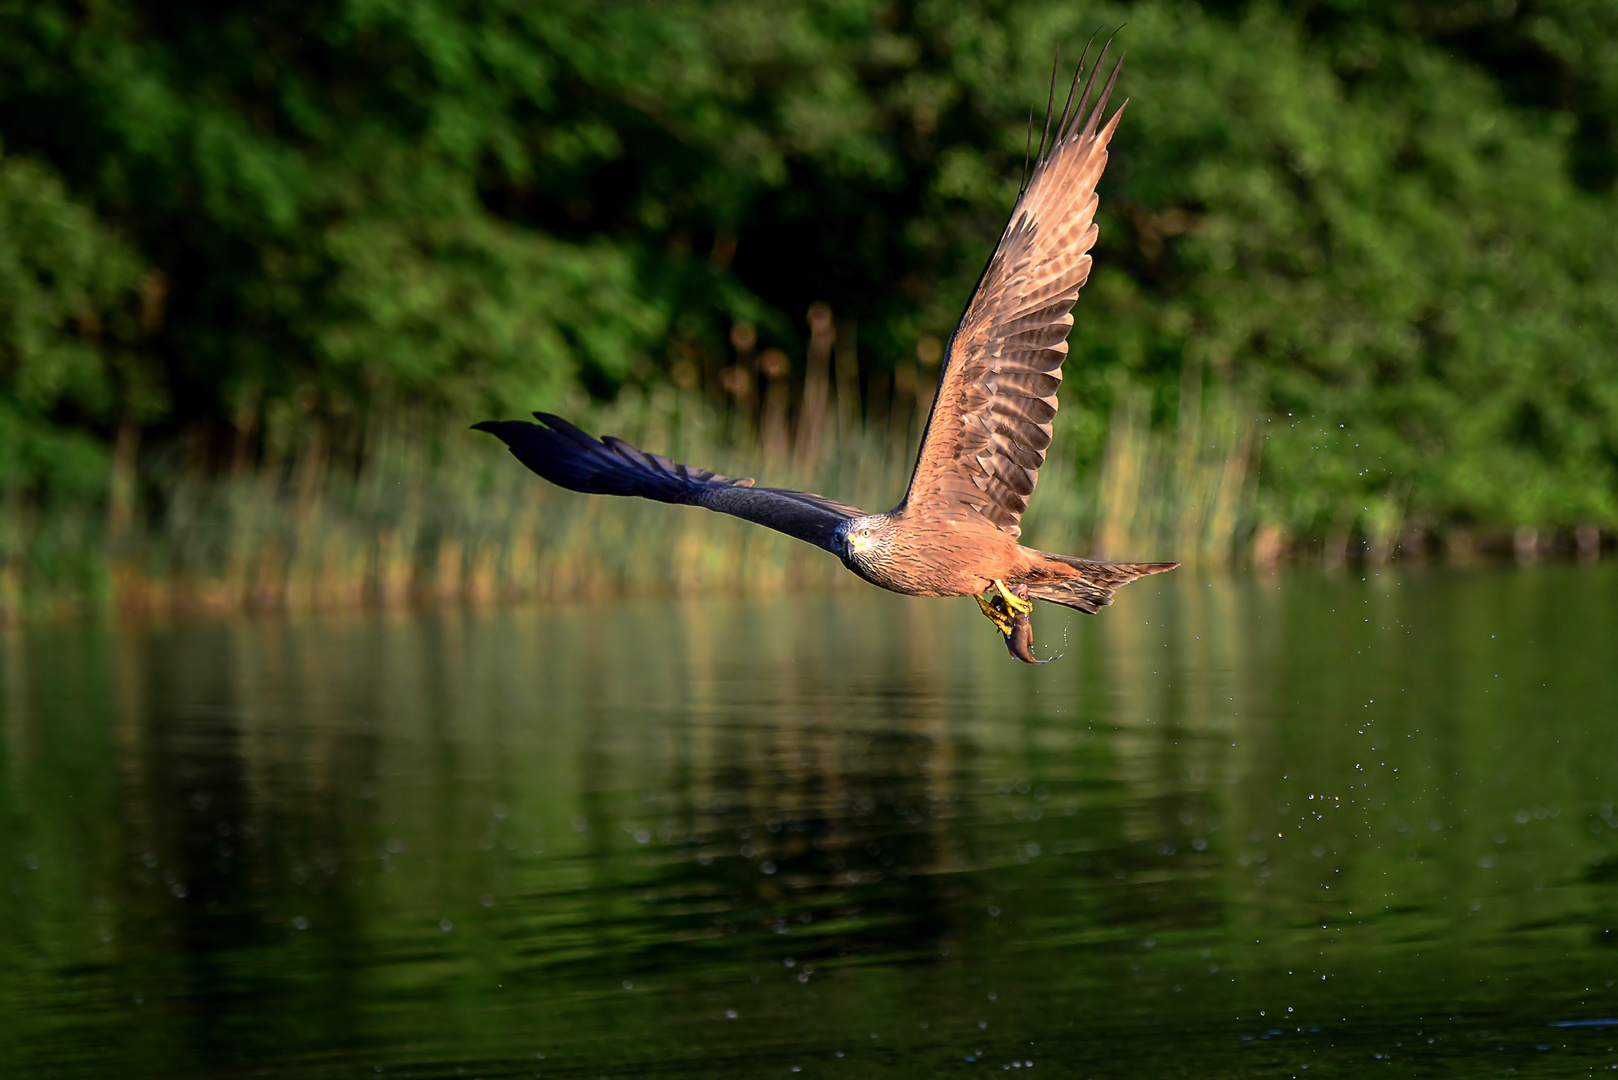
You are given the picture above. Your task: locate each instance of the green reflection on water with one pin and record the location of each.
(1242, 827)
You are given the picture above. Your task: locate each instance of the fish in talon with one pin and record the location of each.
(1020, 641)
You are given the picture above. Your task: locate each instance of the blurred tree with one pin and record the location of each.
(68, 307)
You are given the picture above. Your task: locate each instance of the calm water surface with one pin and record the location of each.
(1285, 826)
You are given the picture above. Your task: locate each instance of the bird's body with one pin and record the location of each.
(905, 553)
(955, 532)
(934, 557)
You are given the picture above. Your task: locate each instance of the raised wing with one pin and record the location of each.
(991, 419)
(569, 458)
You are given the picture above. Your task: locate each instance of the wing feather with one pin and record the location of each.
(569, 458)
(991, 421)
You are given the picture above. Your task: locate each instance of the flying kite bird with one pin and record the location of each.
(955, 531)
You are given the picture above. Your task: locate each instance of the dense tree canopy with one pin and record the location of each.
(1384, 226)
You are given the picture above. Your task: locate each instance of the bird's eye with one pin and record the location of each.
(866, 533)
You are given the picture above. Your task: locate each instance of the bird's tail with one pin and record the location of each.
(1084, 583)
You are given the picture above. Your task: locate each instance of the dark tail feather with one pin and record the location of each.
(1092, 589)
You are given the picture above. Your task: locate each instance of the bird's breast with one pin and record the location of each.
(928, 566)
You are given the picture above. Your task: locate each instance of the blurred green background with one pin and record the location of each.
(260, 266)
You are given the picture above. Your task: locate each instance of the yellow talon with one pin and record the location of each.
(1013, 601)
(995, 615)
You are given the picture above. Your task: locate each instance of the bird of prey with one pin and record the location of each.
(954, 533)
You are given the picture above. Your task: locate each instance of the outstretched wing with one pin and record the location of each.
(569, 458)
(991, 419)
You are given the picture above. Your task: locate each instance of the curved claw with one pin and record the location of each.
(1016, 598)
(995, 612)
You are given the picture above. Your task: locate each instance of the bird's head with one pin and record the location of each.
(859, 541)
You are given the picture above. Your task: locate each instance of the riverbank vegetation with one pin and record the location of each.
(260, 267)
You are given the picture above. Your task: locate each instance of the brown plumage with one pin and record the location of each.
(955, 531)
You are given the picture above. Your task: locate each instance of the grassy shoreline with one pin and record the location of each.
(436, 517)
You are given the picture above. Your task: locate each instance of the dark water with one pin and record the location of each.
(1260, 827)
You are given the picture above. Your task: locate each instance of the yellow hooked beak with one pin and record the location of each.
(857, 543)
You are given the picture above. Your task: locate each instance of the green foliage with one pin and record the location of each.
(65, 283)
(1398, 266)
(1381, 228)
